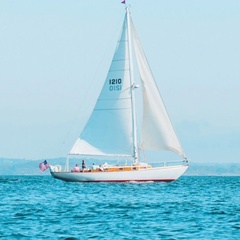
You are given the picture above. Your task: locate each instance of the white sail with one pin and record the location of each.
(109, 129)
(81, 147)
(157, 130)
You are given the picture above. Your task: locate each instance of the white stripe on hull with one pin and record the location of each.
(169, 173)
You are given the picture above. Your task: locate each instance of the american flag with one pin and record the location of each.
(43, 165)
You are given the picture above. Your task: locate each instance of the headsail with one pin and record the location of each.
(157, 130)
(109, 128)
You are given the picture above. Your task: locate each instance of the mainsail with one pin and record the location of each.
(109, 130)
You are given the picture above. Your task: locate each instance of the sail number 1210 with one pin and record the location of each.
(115, 84)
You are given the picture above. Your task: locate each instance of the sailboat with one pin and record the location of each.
(112, 131)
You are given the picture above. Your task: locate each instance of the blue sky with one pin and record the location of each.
(53, 52)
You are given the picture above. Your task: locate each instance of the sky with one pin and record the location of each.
(54, 57)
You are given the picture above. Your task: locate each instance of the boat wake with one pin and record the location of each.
(141, 182)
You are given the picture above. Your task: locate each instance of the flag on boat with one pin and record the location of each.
(44, 165)
(124, 1)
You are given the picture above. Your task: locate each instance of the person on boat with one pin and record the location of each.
(95, 167)
(83, 165)
(76, 168)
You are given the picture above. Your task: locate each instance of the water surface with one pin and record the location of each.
(40, 207)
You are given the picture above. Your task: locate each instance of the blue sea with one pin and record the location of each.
(40, 207)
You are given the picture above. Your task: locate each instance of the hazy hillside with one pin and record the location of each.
(209, 169)
(30, 167)
(25, 167)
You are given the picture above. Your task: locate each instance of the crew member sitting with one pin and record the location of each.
(76, 168)
(95, 167)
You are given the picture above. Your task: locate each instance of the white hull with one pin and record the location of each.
(166, 174)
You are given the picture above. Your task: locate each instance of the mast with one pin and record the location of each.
(133, 86)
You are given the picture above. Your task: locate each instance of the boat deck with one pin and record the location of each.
(115, 168)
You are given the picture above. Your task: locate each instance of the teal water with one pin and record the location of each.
(40, 207)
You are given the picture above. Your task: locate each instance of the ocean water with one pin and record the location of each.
(40, 207)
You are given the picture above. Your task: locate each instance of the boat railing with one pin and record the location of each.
(172, 163)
